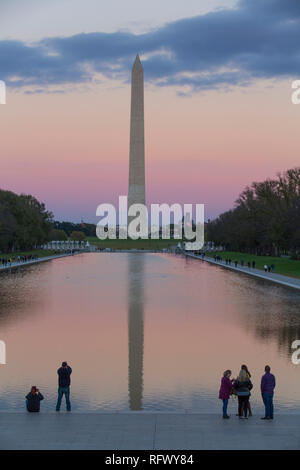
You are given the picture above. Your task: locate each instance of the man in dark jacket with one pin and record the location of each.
(268, 383)
(64, 382)
(33, 400)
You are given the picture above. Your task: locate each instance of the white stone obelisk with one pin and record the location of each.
(136, 189)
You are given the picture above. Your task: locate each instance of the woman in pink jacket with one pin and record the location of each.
(225, 390)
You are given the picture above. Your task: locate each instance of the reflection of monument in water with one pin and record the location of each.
(135, 329)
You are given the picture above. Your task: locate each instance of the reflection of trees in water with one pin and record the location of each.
(20, 292)
(284, 335)
(274, 314)
(135, 329)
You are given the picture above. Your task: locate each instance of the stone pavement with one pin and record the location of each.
(21, 264)
(144, 430)
(273, 277)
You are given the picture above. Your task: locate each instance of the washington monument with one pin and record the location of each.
(136, 188)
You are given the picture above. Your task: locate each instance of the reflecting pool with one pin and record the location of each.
(144, 331)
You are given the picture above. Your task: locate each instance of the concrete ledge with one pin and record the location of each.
(271, 277)
(155, 431)
(133, 250)
(35, 261)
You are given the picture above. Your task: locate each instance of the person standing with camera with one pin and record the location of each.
(64, 382)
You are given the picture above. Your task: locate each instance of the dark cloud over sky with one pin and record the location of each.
(257, 39)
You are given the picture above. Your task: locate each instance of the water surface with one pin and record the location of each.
(144, 331)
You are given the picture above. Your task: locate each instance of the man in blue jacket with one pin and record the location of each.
(64, 382)
(268, 383)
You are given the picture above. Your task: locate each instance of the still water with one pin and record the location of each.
(144, 331)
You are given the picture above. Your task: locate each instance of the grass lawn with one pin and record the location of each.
(284, 266)
(38, 253)
(129, 244)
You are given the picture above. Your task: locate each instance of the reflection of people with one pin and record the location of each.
(33, 400)
(225, 390)
(268, 384)
(243, 386)
(64, 382)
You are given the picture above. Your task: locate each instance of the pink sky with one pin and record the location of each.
(71, 150)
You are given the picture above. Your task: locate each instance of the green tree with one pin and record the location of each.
(76, 235)
(24, 222)
(59, 235)
(265, 219)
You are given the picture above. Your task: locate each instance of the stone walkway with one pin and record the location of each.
(142, 430)
(35, 261)
(273, 277)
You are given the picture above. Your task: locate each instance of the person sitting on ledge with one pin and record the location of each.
(33, 400)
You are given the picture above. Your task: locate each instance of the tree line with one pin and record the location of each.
(65, 230)
(265, 219)
(24, 222)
